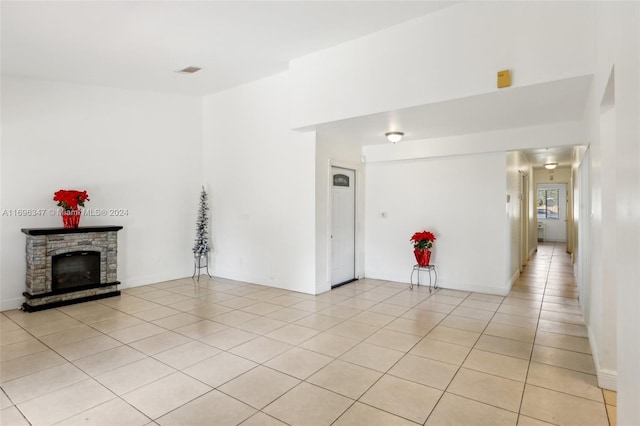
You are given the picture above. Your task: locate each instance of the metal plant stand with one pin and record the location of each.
(429, 268)
(198, 265)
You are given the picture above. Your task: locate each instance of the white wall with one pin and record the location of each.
(461, 199)
(602, 226)
(559, 174)
(130, 150)
(331, 152)
(449, 54)
(262, 181)
(617, 49)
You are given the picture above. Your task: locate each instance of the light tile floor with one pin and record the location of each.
(220, 352)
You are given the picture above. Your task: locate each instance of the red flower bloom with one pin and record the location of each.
(423, 240)
(70, 199)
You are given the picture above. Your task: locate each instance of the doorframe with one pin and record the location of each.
(525, 185)
(583, 267)
(568, 220)
(359, 216)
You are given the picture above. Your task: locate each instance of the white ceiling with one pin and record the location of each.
(564, 156)
(140, 44)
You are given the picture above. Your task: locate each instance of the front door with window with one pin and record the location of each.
(552, 210)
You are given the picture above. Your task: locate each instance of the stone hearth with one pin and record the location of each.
(45, 243)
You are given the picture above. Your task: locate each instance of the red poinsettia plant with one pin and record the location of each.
(70, 199)
(423, 240)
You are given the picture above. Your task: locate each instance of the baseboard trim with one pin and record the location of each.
(11, 304)
(475, 289)
(150, 279)
(607, 379)
(513, 280)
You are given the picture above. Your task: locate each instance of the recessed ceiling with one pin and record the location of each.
(141, 44)
(553, 102)
(564, 156)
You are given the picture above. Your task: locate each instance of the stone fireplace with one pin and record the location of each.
(66, 266)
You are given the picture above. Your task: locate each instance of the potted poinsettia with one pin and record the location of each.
(70, 200)
(422, 242)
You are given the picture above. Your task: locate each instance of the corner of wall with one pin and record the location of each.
(10, 304)
(513, 280)
(607, 379)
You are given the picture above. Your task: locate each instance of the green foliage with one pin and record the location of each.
(201, 246)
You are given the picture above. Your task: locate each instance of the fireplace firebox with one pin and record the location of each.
(66, 266)
(75, 269)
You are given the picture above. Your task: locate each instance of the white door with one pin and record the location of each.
(343, 225)
(552, 210)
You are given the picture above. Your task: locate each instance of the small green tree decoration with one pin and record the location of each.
(201, 248)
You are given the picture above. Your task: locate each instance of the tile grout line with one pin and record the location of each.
(465, 359)
(310, 313)
(395, 363)
(406, 353)
(526, 377)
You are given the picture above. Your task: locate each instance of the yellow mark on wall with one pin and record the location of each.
(504, 79)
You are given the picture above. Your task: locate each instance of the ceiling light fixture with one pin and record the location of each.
(550, 166)
(394, 137)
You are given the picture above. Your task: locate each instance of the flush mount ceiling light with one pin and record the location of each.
(394, 137)
(188, 70)
(550, 166)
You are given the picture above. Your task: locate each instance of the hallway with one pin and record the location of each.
(369, 353)
(561, 381)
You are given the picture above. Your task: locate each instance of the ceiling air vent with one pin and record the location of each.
(189, 70)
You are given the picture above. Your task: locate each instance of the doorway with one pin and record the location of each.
(343, 226)
(552, 211)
